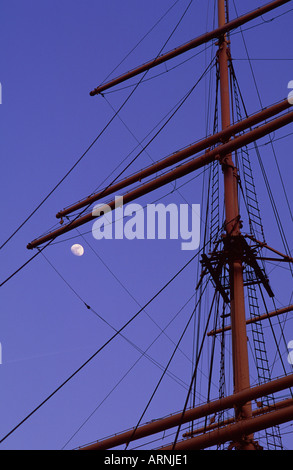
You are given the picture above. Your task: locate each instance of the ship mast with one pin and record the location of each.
(233, 234)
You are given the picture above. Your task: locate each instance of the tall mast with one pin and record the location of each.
(233, 234)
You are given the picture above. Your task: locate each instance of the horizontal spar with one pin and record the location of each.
(181, 155)
(255, 412)
(234, 431)
(176, 173)
(194, 413)
(203, 39)
(265, 316)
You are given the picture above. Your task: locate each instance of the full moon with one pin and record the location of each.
(77, 250)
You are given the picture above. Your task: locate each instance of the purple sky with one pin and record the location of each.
(52, 55)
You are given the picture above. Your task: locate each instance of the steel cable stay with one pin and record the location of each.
(92, 143)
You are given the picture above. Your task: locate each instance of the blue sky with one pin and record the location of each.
(52, 55)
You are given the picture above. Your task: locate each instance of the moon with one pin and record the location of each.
(77, 250)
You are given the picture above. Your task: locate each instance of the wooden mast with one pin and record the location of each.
(233, 234)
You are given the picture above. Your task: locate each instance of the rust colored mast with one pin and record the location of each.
(237, 305)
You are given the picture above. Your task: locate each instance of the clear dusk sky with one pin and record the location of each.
(52, 54)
